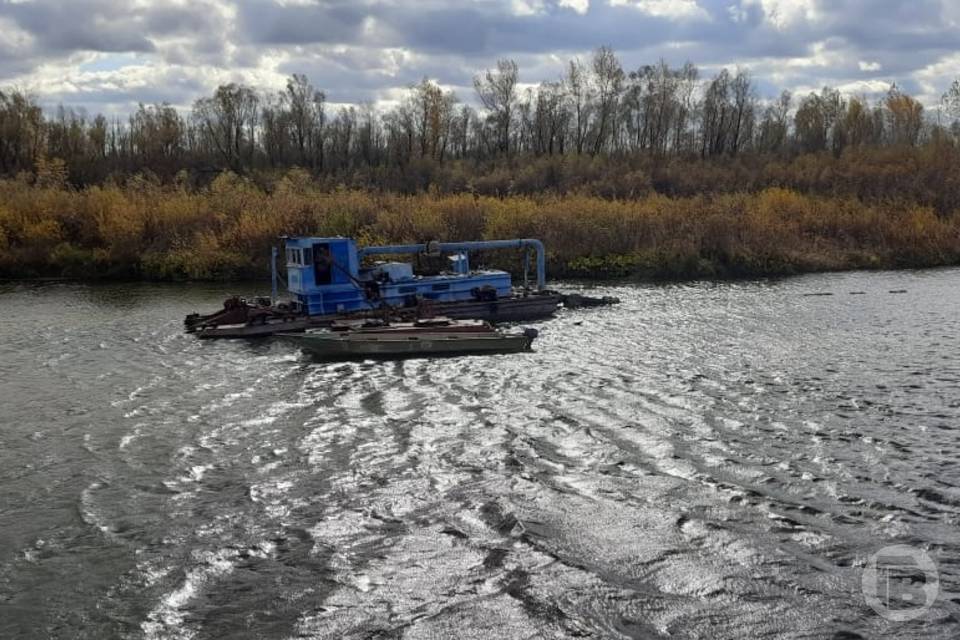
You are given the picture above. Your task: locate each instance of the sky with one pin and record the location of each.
(105, 56)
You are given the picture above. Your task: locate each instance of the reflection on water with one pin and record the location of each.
(702, 461)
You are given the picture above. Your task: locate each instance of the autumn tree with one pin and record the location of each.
(21, 131)
(858, 123)
(433, 111)
(816, 121)
(156, 135)
(904, 117)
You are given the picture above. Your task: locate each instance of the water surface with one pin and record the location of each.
(702, 461)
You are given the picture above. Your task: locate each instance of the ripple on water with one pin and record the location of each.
(707, 460)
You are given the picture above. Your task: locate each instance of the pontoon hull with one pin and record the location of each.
(329, 346)
(518, 309)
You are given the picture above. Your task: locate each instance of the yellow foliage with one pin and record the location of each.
(120, 224)
(51, 172)
(43, 233)
(226, 230)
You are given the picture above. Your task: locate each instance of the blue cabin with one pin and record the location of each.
(326, 275)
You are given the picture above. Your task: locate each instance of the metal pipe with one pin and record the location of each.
(478, 245)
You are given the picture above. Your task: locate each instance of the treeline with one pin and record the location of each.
(653, 172)
(635, 121)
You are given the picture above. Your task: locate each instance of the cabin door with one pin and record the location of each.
(322, 264)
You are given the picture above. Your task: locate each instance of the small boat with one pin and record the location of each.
(425, 338)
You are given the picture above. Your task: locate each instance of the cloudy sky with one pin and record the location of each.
(107, 55)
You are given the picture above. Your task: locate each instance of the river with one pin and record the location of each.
(705, 460)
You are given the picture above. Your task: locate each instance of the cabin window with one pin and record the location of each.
(441, 287)
(407, 289)
(307, 256)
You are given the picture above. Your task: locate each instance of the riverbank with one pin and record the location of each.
(147, 231)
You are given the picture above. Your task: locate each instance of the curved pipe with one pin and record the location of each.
(479, 245)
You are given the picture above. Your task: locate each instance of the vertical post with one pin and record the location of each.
(526, 269)
(273, 274)
(541, 265)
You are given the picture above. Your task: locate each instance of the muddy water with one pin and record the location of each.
(702, 461)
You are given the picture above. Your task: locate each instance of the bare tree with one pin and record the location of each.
(716, 115)
(549, 118)
(156, 135)
(229, 120)
(608, 75)
(275, 136)
(578, 90)
(774, 128)
(305, 113)
(497, 91)
(744, 111)
(816, 121)
(686, 85)
(951, 100)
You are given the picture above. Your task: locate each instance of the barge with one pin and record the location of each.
(331, 279)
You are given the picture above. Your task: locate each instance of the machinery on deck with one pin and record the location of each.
(326, 276)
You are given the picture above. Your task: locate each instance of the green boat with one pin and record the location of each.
(411, 341)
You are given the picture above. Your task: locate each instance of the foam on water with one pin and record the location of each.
(165, 620)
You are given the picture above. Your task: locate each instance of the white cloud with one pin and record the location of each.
(580, 6)
(864, 87)
(935, 79)
(527, 7)
(670, 9)
(119, 52)
(783, 14)
(821, 55)
(951, 13)
(540, 7)
(13, 37)
(738, 13)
